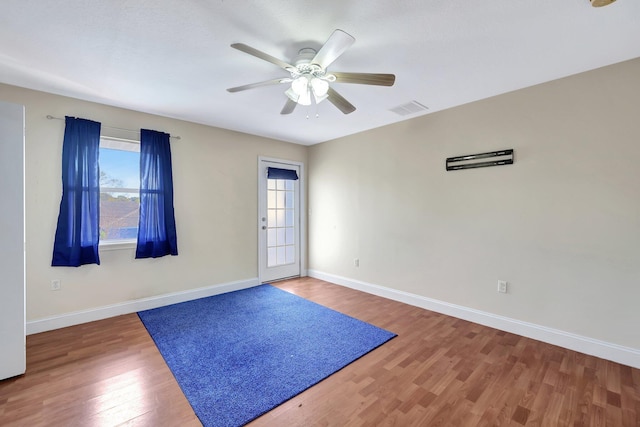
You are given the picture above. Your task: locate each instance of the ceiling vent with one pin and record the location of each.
(409, 108)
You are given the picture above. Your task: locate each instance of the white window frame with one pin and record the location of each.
(124, 145)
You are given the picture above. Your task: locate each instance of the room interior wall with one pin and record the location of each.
(215, 186)
(561, 225)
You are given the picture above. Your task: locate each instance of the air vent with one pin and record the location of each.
(409, 108)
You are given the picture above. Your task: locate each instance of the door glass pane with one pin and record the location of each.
(290, 254)
(280, 199)
(280, 222)
(288, 196)
(281, 255)
(271, 237)
(271, 194)
(271, 257)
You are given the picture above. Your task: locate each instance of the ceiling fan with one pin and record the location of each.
(308, 75)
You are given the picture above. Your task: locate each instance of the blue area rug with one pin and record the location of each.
(240, 354)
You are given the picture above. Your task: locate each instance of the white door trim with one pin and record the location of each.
(303, 213)
(12, 244)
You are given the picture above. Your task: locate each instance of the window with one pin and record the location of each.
(119, 190)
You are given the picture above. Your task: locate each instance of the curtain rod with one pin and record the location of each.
(50, 117)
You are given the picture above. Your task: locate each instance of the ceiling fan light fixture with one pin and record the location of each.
(303, 87)
(292, 95)
(320, 87)
(302, 99)
(300, 85)
(319, 99)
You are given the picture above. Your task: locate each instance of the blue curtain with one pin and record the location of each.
(277, 173)
(157, 224)
(78, 230)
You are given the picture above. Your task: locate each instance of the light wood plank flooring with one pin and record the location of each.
(439, 371)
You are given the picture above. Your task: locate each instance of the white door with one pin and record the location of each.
(12, 301)
(279, 221)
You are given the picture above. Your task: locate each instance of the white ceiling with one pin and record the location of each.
(173, 58)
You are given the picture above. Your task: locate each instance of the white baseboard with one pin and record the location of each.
(84, 316)
(605, 350)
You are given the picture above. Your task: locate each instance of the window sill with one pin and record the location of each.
(117, 245)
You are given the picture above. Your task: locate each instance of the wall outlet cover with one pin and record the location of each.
(502, 286)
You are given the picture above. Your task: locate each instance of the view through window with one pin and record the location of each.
(119, 189)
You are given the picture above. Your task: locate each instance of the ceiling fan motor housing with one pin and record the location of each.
(305, 55)
(304, 67)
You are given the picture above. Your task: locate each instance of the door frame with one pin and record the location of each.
(13, 359)
(262, 203)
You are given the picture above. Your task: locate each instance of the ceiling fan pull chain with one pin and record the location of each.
(312, 98)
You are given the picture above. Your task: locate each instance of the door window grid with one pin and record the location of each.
(280, 222)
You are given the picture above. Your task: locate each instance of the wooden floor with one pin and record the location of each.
(438, 371)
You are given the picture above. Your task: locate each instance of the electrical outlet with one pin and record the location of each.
(356, 262)
(502, 286)
(55, 285)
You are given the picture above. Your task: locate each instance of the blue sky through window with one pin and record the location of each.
(121, 165)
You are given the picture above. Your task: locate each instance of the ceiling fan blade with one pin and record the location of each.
(338, 100)
(259, 84)
(338, 42)
(289, 107)
(365, 78)
(259, 54)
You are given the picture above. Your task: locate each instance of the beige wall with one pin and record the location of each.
(215, 182)
(561, 225)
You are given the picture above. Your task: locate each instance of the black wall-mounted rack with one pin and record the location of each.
(501, 157)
